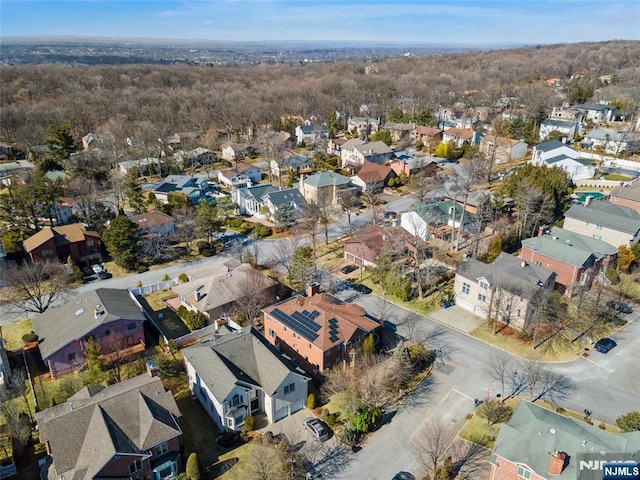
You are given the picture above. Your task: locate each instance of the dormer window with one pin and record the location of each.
(524, 472)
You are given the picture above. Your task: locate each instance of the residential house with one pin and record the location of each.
(5, 366)
(20, 168)
(598, 112)
(291, 163)
(64, 241)
(540, 444)
(242, 374)
(194, 187)
(437, 218)
(363, 126)
(275, 199)
(334, 146)
(242, 175)
(566, 129)
(399, 130)
(144, 165)
(605, 221)
(507, 290)
(458, 136)
(431, 137)
(249, 199)
(473, 201)
(627, 195)
(230, 152)
(197, 156)
(356, 152)
(318, 330)
(611, 141)
(110, 316)
(216, 291)
(567, 114)
(308, 134)
(126, 430)
(407, 165)
(365, 246)
(557, 154)
(372, 177)
(154, 223)
(576, 259)
(503, 149)
(103, 141)
(327, 185)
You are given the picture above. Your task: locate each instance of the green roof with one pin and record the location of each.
(602, 212)
(441, 211)
(324, 179)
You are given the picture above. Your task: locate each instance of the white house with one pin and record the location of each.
(229, 152)
(240, 374)
(243, 175)
(611, 141)
(311, 134)
(598, 112)
(356, 152)
(556, 154)
(565, 128)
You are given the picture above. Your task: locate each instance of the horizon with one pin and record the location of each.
(461, 23)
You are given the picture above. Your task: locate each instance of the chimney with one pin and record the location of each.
(313, 289)
(557, 462)
(542, 229)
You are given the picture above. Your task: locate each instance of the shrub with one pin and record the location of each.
(202, 244)
(331, 419)
(263, 231)
(29, 337)
(142, 269)
(311, 401)
(166, 277)
(602, 426)
(348, 435)
(267, 437)
(183, 278)
(206, 252)
(250, 423)
(193, 467)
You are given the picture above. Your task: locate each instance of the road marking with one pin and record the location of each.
(596, 363)
(463, 394)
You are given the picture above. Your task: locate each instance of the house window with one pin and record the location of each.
(162, 449)
(235, 401)
(90, 243)
(136, 466)
(289, 388)
(517, 313)
(285, 329)
(272, 334)
(309, 346)
(484, 285)
(482, 298)
(71, 357)
(598, 227)
(524, 472)
(466, 288)
(131, 326)
(539, 264)
(46, 253)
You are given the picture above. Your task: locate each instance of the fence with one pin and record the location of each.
(606, 184)
(143, 290)
(196, 335)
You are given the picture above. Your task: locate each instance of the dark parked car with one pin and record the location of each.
(348, 268)
(403, 476)
(389, 214)
(619, 307)
(317, 428)
(358, 287)
(604, 345)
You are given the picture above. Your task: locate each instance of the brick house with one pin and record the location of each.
(365, 246)
(126, 430)
(372, 177)
(539, 444)
(430, 136)
(329, 185)
(575, 258)
(399, 130)
(318, 330)
(604, 221)
(458, 136)
(154, 223)
(627, 196)
(506, 290)
(109, 316)
(60, 242)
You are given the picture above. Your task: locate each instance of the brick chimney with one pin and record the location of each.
(542, 229)
(312, 289)
(557, 462)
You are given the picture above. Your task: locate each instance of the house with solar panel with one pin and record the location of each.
(318, 330)
(239, 374)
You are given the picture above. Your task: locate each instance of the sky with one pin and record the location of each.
(467, 22)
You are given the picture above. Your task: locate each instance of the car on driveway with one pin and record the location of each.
(619, 307)
(403, 476)
(348, 268)
(389, 214)
(318, 429)
(358, 287)
(604, 345)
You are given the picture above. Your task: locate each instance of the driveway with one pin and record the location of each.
(457, 318)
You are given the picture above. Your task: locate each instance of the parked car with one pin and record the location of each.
(348, 268)
(318, 429)
(104, 275)
(619, 307)
(403, 476)
(389, 214)
(358, 287)
(604, 345)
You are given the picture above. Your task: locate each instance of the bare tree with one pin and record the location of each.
(554, 386)
(262, 465)
(118, 189)
(431, 444)
(254, 292)
(349, 202)
(282, 253)
(494, 411)
(499, 367)
(85, 193)
(35, 286)
(185, 226)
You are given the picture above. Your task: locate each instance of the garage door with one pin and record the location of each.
(468, 306)
(281, 413)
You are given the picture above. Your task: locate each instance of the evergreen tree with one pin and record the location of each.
(95, 363)
(208, 219)
(285, 217)
(333, 124)
(60, 145)
(133, 190)
(122, 242)
(382, 136)
(301, 269)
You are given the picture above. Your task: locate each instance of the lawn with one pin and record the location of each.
(616, 177)
(12, 334)
(250, 460)
(476, 429)
(511, 343)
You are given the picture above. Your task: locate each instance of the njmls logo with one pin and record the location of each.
(621, 471)
(599, 464)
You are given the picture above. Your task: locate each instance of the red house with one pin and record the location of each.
(107, 315)
(127, 430)
(62, 241)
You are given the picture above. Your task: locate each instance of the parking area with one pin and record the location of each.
(457, 318)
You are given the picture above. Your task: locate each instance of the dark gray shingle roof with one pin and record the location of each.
(601, 212)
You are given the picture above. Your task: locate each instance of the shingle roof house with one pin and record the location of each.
(505, 290)
(126, 430)
(603, 220)
(627, 196)
(108, 315)
(240, 374)
(539, 444)
(356, 152)
(575, 258)
(62, 241)
(318, 330)
(372, 176)
(329, 184)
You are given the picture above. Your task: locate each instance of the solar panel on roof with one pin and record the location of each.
(302, 327)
